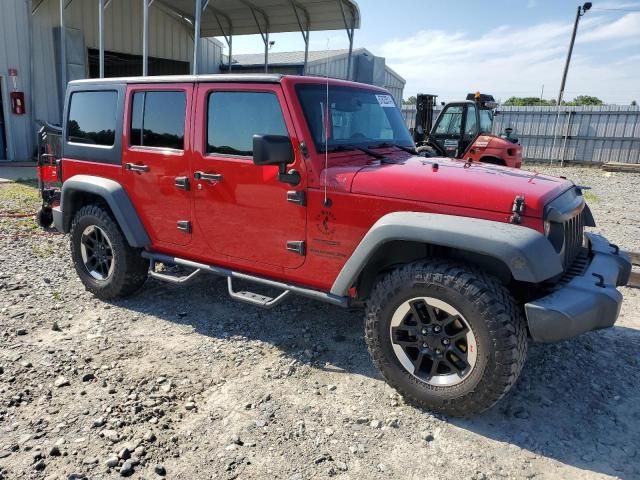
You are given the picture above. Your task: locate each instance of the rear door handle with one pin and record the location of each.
(211, 177)
(134, 167)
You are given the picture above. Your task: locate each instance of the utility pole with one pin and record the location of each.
(581, 11)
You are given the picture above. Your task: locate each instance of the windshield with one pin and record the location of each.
(450, 121)
(356, 117)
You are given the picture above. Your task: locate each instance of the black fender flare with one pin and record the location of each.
(114, 195)
(527, 253)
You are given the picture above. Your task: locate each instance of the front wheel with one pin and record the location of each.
(449, 338)
(107, 265)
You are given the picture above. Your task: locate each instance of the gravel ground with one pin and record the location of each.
(185, 383)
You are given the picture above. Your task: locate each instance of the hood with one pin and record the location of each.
(457, 183)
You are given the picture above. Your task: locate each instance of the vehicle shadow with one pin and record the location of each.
(577, 402)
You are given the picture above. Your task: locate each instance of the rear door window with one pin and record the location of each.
(92, 118)
(157, 119)
(233, 118)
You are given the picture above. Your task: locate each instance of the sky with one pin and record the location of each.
(502, 47)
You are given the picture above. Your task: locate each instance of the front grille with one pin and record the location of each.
(575, 268)
(573, 238)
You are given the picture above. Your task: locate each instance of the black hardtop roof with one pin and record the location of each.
(249, 77)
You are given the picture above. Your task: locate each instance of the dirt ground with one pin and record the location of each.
(185, 383)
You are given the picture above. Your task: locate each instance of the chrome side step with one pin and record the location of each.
(255, 298)
(170, 278)
(242, 296)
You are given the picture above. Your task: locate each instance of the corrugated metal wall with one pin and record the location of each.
(14, 53)
(210, 56)
(169, 38)
(395, 84)
(590, 134)
(593, 134)
(338, 69)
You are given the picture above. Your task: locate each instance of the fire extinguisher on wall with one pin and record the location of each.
(16, 96)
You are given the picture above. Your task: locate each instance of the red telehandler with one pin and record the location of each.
(463, 130)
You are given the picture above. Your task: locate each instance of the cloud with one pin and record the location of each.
(513, 60)
(626, 27)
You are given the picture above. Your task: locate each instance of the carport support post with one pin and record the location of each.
(304, 31)
(349, 27)
(145, 36)
(196, 36)
(63, 50)
(101, 35)
(266, 51)
(228, 37)
(263, 33)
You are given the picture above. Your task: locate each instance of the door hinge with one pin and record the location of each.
(298, 197)
(297, 246)
(184, 225)
(182, 183)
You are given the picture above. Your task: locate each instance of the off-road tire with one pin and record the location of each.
(494, 317)
(427, 151)
(129, 268)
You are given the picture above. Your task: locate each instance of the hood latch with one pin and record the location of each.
(517, 210)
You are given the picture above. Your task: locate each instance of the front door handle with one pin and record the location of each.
(135, 167)
(211, 177)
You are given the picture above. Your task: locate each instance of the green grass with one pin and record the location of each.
(591, 197)
(19, 197)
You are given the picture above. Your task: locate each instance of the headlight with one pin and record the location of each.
(554, 231)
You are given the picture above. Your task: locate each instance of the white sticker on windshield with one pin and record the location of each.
(385, 101)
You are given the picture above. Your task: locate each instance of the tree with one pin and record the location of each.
(584, 100)
(634, 103)
(412, 100)
(527, 101)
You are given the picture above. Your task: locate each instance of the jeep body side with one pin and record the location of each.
(310, 186)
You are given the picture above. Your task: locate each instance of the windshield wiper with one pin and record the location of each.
(401, 147)
(348, 146)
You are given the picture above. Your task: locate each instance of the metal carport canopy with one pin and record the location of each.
(226, 18)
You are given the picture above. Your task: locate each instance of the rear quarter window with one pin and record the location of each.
(92, 118)
(157, 119)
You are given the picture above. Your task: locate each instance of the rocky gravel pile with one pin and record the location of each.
(184, 383)
(613, 198)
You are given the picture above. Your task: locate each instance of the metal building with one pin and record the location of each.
(30, 49)
(130, 37)
(365, 67)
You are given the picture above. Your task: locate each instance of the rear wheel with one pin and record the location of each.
(106, 264)
(450, 339)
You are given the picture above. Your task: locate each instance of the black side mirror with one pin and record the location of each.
(272, 150)
(275, 150)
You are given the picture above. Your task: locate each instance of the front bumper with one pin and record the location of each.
(587, 302)
(57, 218)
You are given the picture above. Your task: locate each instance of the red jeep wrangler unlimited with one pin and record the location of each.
(312, 186)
